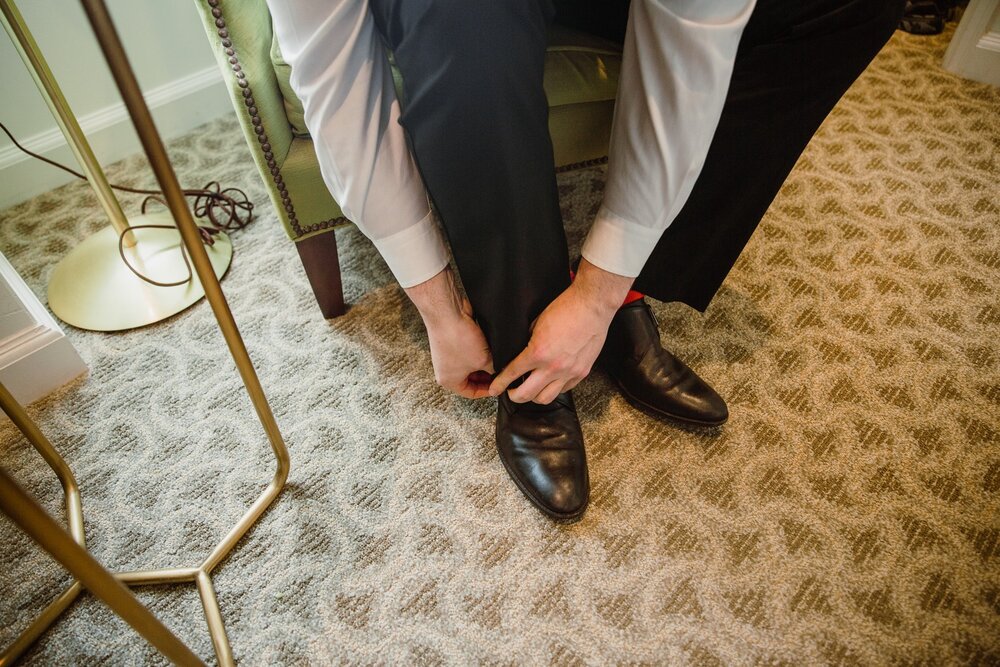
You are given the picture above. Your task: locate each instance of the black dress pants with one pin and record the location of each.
(476, 116)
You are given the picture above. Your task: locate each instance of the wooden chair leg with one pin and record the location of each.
(319, 258)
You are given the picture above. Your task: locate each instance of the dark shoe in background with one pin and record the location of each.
(653, 379)
(541, 446)
(927, 17)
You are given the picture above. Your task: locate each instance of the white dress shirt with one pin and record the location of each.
(678, 59)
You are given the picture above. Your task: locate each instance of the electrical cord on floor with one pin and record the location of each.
(226, 210)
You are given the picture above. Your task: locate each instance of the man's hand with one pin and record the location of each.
(461, 357)
(566, 338)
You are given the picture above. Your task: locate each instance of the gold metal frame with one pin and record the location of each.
(91, 288)
(68, 548)
(74, 517)
(110, 43)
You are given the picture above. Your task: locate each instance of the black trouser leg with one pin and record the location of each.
(476, 115)
(796, 59)
(604, 18)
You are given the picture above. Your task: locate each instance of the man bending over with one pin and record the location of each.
(716, 100)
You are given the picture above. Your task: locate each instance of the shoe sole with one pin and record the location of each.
(639, 404)
(558, 516)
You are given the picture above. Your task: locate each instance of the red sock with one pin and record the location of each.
(632, 296)
(629, 298)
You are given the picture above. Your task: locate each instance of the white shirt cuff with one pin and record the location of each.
(415, 254)
(618, 245)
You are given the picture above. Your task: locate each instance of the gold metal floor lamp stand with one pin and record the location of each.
(200, 575)
(69, 549)
(91, 287)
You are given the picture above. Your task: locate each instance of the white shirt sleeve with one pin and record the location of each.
(678, 60)
(341, 74)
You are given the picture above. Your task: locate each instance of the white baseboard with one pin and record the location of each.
(989, 42)
(35, 355)
(45, 363)
(177, 108)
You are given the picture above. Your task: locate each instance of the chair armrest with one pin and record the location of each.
(240, 35)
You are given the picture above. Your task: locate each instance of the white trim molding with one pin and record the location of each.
(35, 355)
(974, 51)
(177, 107)
(990, 42)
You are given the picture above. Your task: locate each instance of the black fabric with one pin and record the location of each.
(477, 120)
(476, 117)
(794, 62)
(603, 18)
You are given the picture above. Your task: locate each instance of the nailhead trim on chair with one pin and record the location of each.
(279, 182)
(258, 126)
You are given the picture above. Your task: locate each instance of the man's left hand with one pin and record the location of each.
(566, 338)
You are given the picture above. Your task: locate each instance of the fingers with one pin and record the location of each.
(545, 380)
(549, 393)
(531, 387)
(476, 391)
(476, 385)
(515, 369)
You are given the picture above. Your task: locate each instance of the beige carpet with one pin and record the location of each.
(849, 513)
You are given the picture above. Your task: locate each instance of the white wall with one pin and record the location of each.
(974, 51)
(172, 58)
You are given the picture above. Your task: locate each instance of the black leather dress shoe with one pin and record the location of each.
(653, 379)
(541, 446)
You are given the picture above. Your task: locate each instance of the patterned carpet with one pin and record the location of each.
(849, 513)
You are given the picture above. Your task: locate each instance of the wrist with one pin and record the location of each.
(437, 299)
(604, 290)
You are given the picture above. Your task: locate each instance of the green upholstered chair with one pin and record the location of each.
(581, 78)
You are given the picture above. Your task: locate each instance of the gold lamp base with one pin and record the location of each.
(92, 288)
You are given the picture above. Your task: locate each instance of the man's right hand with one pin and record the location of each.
(461, 357)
